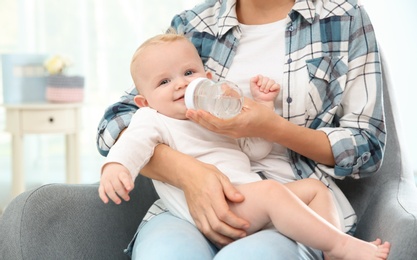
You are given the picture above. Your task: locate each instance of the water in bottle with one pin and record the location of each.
(223, 99)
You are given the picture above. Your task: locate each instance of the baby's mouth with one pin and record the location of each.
(179, 99)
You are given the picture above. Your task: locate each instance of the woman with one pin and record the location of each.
(328, 121)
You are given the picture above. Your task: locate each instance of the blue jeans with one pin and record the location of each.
(168, 237)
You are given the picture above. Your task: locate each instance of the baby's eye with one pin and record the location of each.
(163, 82)
(188, 73)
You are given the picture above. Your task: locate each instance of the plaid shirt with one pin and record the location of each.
(332, 79)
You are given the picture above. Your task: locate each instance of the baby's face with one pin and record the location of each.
(164, 72)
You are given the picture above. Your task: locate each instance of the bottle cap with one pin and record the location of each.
(189, 92)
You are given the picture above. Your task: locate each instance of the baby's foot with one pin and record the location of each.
(356, 249)
(383, 249)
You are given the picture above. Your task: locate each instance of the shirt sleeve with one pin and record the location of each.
(136, 146)
(359, 140)
(116, 118)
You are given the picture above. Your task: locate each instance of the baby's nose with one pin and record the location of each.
(183, 83)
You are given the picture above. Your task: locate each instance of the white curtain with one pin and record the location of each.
(100, 37)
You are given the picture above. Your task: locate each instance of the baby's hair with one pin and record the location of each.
(170, 36)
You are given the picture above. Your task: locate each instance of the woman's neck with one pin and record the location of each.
(254, 12)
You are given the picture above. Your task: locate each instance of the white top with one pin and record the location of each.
(266, 42)
(149, 128)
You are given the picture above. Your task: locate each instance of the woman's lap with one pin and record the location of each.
(168, 237)
(267, 244)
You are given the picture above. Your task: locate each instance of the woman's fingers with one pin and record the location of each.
(210, 210)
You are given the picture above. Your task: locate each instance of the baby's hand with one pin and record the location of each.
(264, 89)
(115, 183)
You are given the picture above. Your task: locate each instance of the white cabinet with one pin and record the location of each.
(44, 118)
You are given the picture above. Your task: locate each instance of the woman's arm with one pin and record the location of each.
(205, 189)
(257, 120)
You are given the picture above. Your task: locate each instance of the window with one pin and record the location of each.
(100, 38)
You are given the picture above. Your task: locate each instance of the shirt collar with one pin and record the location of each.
(306, 8)
(227, 17)
(309, 8)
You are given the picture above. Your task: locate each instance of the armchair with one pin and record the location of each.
(61, 221)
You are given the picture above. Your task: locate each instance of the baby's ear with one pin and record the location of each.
(140, 101)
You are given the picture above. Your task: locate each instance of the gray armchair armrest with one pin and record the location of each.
(386, 203)
(59, 221)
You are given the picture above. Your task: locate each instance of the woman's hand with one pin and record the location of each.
(206, 190)
(255, 120)
(206, 196)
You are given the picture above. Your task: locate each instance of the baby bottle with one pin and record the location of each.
(223, 99)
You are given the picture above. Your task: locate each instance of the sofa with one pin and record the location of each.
(62, 221)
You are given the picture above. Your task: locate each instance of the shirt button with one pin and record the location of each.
(103, 125)
(299, 172)
(289, 100)
(289, 60)
(366, 157)
(291, 28)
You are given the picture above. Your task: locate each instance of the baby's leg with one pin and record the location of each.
(317, 197)
(269, 202)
